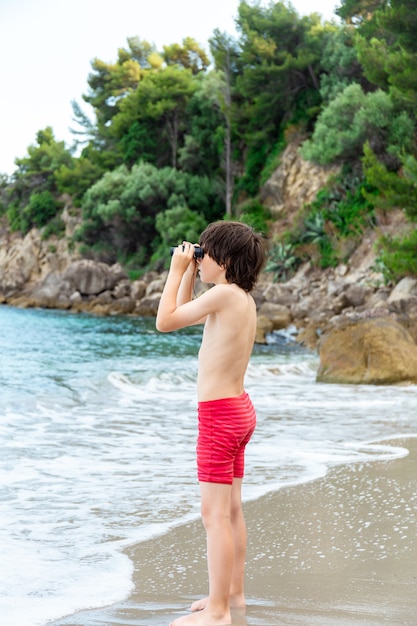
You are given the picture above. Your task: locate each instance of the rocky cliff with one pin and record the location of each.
(39, 273)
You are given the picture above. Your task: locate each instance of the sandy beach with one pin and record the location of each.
(334, 551)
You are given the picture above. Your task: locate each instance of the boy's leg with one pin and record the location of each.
(237, 598)
(216, 514)
(216, 511)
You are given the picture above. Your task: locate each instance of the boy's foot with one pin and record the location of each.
(236, 602)
(202, 618)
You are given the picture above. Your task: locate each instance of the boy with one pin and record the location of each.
(233, 255)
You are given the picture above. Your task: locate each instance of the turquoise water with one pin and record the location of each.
(97, 431)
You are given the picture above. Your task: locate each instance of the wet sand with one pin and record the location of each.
(341, 550)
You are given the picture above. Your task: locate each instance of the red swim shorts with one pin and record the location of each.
(224, 428)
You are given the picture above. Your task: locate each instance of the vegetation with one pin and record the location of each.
(183, 136)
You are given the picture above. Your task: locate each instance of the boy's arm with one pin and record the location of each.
(170, 317)
(186, 288)
(178, 292)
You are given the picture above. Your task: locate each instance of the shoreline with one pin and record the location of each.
(338, 550)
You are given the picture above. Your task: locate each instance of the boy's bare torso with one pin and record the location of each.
(226, 346)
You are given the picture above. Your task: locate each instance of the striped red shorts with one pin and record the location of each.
(224, 428)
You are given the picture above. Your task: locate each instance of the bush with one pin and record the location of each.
(41, 209)
(339, 213)
(396, 189)
(272, 161)
(176, 225)
(282, 261)
(121, 209)
(398, 257)
(255, 161)
(256, 215)
(350, 120)
(56, 226)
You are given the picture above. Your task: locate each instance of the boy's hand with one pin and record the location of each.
(183, 257)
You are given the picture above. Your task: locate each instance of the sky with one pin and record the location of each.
(46, 49)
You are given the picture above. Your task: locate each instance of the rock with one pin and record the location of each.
(406, 287)
(278, 314)
(263, 328)
(62, 302)
(105, 297)
(138, 289)
(156, 286)
(356, 295)
(258, 294)
(123, 306)
(279, 294)
(19, 261)
(339, 303)
(148, 306)
(315, 306)
(95, 308)
(122, 289)
(91, 278)
(334, 288)
(405, 311)
(376, 351)
(295, 182)
(378, 300)
(75, 298)
(26, 261)
(52, 292)
(308, 336)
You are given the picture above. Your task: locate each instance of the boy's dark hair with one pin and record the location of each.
(238, 248)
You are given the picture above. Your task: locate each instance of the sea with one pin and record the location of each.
(97, 435)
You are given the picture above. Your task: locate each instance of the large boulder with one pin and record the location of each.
(91, 278)
(376, 351)
(54, 292)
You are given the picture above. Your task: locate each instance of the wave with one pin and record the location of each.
(290, 368)
(181, 381)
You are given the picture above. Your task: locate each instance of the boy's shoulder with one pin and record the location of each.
(228, 293)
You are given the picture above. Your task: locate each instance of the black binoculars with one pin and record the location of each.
(198, 252)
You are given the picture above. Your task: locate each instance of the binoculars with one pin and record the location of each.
(198, 252)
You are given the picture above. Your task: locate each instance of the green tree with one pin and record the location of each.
(109, 84)
(36, 174)
(176, 225)
(75, 178)
(225, 54)
(398, 256)
(353, 118)
(359, 12)
(278, 78)
(386, 44)
(159, 104)
(120, 210)
(397, 190)
(43, 159)
(41, 209)
(189, 55)
(202, 143)
(340, 64)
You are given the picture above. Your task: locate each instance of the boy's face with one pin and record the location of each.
(210, 271)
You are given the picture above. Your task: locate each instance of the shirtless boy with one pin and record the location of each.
(233, 257)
